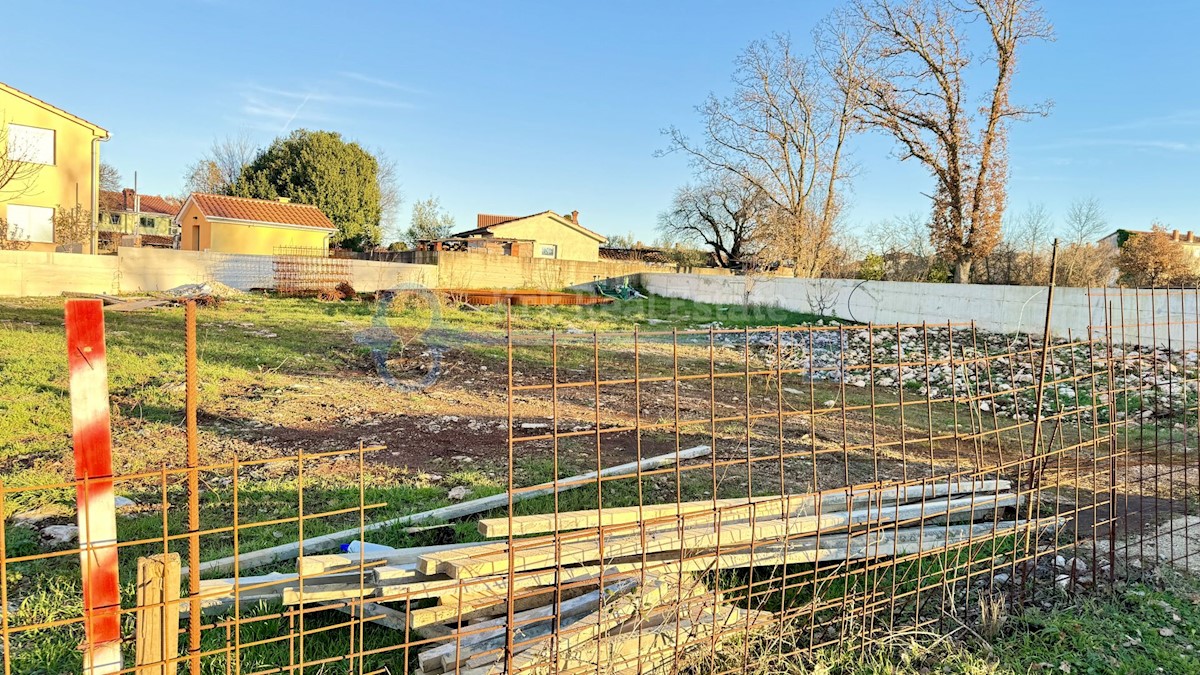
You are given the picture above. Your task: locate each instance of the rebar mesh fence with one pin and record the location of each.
(702, 499)
(308, 271)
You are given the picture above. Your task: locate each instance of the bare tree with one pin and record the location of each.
(917, 93)
(10, 237)
(1085, 221)
(72, 225)
(218, 169)
(1082, 260)
(722, 214)
(904, 244)
(17, 168)
(1031, 239)
(390, 196)
(110, 178)
(783, 131)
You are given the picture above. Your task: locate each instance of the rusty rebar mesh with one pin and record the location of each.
(307, 271)
(1088, 444)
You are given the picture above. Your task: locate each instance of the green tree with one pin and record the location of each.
(872, 267)
(321, 169)
(429, 221)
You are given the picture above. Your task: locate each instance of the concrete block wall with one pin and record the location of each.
(1006, 309)
(469, 270)
(139, 270)
(30, 273)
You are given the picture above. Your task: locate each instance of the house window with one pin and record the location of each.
(30, 144)
(147, 221)
(31, 223)
(549, 250)
(115, 219)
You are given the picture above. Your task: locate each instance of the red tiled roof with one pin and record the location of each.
(157, 241)
(126, 200)
(261, 211)
(483, 220)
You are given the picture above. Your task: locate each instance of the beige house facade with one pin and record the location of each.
(549, 234)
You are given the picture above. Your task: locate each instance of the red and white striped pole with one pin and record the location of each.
(94, 486)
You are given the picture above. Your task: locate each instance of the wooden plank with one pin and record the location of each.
(294, 595)
(833, 546)
(856, 497)
(91, 436)
(713, 536)
(293, 550)
(654, 650)
(374, 613)
(221, 595)
(134, 305)
(611, 614)
(312, 565)
(454, 611)
(157, 614)
(741, 512)
(527, 625)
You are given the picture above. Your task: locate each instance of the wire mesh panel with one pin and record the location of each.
(309, 271)
(697, 500)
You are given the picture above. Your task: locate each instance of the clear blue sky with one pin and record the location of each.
(519, 107)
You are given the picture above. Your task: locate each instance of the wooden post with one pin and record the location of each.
(158, 614)
(92, 439)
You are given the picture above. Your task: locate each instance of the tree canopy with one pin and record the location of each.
(321, 169)
(1153, 259)
(429, 221)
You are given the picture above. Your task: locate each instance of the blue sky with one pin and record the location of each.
(519, 107)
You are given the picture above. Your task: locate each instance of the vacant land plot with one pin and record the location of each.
(425, 382)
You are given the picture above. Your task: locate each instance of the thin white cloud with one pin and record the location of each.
(1179, 118)
(378, 82)
(1133, 143)
(330, 97)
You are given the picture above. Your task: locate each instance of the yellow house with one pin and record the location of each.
(252, 226)
(553, 236)
(50, 158)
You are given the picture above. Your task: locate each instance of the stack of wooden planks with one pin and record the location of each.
(627, 589)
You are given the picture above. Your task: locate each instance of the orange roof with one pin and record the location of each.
(261, 211)
(126, 200)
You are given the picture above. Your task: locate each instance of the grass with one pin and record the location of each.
(1138, 629)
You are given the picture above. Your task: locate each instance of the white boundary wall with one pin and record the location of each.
(137, 270)
(1006, 309)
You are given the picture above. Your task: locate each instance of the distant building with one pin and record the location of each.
(62, 155)
(128, 218)
(545, 235)
(1189, 241)
(253, 226)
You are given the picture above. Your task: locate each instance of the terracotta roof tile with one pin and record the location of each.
(126, 200)
(261, 210)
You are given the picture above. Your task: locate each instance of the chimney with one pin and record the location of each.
(575, 217)
(1191, 236)
(128, 197)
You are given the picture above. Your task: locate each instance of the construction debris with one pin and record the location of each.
(626, 590)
